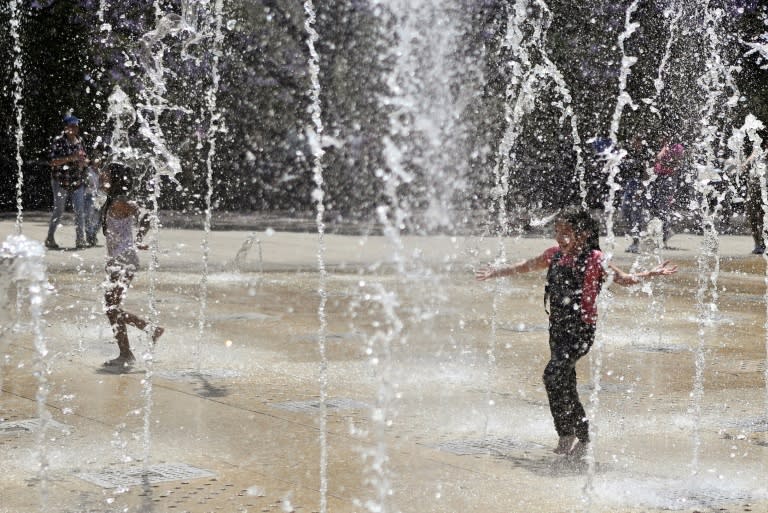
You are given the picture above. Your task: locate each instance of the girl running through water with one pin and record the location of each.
(117, 218)
(575, 273)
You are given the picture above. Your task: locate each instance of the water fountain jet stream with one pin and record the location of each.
(658, 82)
(18, 94)
(242, 254)
(564, 91)
(314, 134)
(213, 119)
(160, 160)
(613, 158)
(22, 264)
(521, 93)
(422, 134)
(715, 80)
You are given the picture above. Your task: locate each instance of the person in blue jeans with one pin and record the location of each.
(68, 176)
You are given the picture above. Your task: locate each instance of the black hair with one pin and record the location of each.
(120, 185)
(582, 222)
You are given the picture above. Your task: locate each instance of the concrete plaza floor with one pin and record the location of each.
(431, 383)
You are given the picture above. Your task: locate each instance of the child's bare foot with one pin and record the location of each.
(578, 451)
(121, 361)
(157, 334)
(565, 444)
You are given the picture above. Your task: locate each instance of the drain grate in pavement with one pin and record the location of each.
(753, 425)
(314, 406)
(133, 476)
(709, 498)
(12, 427)
(491, 445)
(739, 366)
(665, 494)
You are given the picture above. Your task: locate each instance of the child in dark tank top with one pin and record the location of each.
(576, 268)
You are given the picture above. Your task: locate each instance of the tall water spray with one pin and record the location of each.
(18, 94)
(657, 307)
(520, 95)
(715, 82)
(314, 135)
(613, 158)
(22, 265)
(214, 121)
(425, 94)
(423, 153)
(170, 32)
(675, 12)
(532, 72)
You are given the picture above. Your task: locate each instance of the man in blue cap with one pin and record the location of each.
(68, 175)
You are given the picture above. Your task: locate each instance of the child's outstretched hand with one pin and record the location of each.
(484, 273)
(663, 269)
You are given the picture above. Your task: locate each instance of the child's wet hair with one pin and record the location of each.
(582, 222)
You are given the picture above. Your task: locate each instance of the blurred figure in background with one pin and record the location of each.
(755, 168)
(666, 169)
(68, 177)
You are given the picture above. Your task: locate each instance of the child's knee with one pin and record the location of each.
(553, 375)
(115, 314)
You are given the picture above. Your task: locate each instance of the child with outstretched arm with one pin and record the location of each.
(575, 273)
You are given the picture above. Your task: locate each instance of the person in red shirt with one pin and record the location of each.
(667, 168)
(576, 269)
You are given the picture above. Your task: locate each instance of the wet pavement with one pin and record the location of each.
(432, 402)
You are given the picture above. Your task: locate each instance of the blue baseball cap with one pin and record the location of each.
(69, 119)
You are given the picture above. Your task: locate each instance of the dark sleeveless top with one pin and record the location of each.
(570, 336)
(564, 289)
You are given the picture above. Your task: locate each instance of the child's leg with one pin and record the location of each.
(566, 408)
(59, 203)
(119, 281)
(78, 206)
(142, 324)
(119, 318)
(556, 381)
(577, 417)
(569, 341)
(565, 444)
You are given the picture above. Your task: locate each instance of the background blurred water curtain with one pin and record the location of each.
(450, 72)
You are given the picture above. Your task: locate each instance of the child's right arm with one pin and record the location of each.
(532, 264)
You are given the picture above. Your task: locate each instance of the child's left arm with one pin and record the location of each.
(627, 279)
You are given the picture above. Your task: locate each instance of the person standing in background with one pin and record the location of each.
(68, 177)
(755, 167)
(664, 187)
